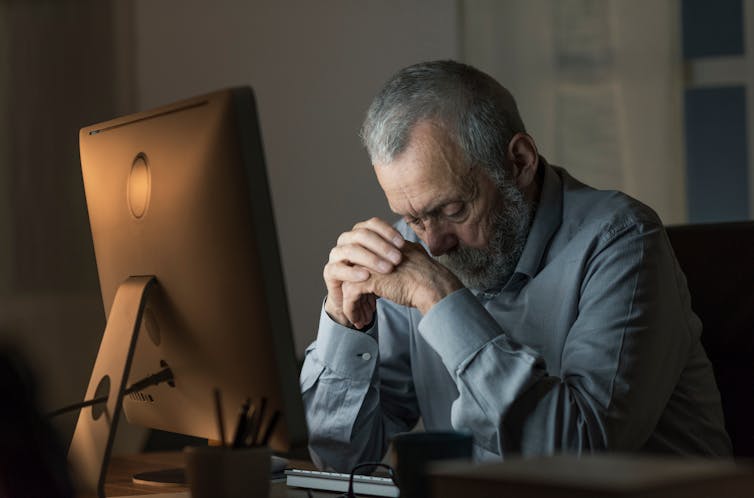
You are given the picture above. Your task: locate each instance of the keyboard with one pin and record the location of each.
(333, 481)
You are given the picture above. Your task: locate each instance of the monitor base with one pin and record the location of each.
(161, 478)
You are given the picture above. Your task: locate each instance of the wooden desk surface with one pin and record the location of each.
(122, 467)
(118, 482)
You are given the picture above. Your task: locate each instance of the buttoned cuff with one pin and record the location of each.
(347, 352)
(457, 327)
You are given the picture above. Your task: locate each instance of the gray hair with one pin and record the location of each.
(476, 111)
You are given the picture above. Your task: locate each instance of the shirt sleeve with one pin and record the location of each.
(620, 362)
(357, 391)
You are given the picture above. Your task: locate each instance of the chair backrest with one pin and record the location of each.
(718, 260)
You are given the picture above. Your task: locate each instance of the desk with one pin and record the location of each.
(599, 475)
(118, 482)
(596, 476)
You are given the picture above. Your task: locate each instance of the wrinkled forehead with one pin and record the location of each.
(429, 170)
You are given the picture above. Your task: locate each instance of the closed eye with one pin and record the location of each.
(454, 211)
(416, 223)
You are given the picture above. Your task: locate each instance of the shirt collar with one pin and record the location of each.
(547, 219)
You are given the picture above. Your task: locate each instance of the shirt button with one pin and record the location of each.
(366, 356)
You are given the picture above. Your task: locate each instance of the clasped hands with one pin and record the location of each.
(373, 260)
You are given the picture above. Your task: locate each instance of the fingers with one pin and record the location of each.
(371, 244)
(339, 271)
(359, 308)
(355, 254)
(383, 229)
(364, 315)
(334, 275)
(368, 308)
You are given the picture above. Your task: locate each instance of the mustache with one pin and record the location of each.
(508, 227)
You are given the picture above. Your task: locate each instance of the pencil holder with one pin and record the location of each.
(222, 472)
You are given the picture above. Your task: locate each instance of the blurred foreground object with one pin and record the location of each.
(32, 462)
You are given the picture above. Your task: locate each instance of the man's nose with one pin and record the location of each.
(440, 241)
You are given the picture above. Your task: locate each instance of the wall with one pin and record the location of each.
(62, 66)
(315, 67)
(67, 64)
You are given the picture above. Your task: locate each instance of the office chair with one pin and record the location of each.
(718, 260)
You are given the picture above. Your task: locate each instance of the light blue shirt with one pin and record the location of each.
(591, 345)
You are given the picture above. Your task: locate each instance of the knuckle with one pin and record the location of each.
(346, 252)
(342, 238)
(331, 278)
(366, 233)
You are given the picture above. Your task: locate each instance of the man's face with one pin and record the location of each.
(471, 225)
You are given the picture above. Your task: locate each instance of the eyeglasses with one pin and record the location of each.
(390, 474)
(350, 493)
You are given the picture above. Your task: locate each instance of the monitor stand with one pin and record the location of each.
(92, 442)
(165, 477)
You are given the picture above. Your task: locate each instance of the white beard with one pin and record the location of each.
(491, 267)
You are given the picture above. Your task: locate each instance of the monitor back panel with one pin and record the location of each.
(181, 193)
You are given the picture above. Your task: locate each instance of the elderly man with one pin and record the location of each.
(510, 301)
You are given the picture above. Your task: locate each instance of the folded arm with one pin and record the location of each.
(356, 396)
(620, 362)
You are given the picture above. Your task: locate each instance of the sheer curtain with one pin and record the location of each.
(599, 84)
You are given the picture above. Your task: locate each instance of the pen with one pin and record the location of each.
(248, 435)
(259, 420)
(238, 438)
(219, 414)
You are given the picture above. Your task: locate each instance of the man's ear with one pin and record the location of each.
(524, 158)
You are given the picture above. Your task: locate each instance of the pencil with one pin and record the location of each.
(219, 414)
(248, 437)
(259, 421)
(241, 424)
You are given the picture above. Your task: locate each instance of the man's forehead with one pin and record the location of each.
(420, 202)
(416, 190)
(430, 171)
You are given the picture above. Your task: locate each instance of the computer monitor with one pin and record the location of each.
(179, 195)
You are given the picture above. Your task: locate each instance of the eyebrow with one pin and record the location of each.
(435, 209)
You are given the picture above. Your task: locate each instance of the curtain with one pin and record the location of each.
(599, 85)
